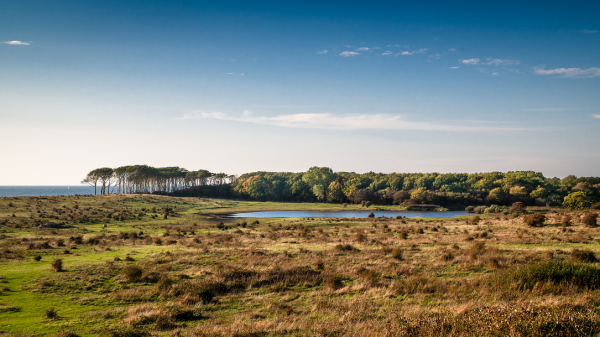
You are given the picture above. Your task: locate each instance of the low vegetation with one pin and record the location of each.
(174, 266)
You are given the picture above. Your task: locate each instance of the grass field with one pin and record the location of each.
(169, 266)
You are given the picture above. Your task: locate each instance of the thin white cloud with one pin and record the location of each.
(242, 74)
(362, 48)
(339, 122)
(585, 31)
(18, 43)
(323, 51)
(453, 67)
(500, 62)
(596, 116)
(570, 72)
(452, 49)
(420, 51)
(470, 61)
(348, 53)
(228, 73)
(387, 53)
(548, 109)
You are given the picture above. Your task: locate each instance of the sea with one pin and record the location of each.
(24, 191)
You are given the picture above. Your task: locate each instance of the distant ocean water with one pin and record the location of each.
(22, 191)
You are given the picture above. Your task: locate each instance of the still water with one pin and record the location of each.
(345, 214)
(23, 191)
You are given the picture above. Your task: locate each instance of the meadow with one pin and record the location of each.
(174, 266)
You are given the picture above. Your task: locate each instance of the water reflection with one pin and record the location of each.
(346, 214)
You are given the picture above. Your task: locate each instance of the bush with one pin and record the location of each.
(475, 220)
(578, 200)
(447, 257)
(566, 220)
(583, 256)
(517, 207)
(470, 209)
(133, 273)
(480, 209)
(346, 247)
(51, 313)
(590, 220)
(397, 253)
(534, 220)
(371, 215)
(595, 206)
(554, 272)
(37, 258)
(334, 281)
(57, 265)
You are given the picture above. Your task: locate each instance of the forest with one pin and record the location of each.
(321, 184)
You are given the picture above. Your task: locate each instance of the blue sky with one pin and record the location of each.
(241, 86)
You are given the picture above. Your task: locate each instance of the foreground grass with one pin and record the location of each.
(170, 266)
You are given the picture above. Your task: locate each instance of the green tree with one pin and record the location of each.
(335, 192)
(319, 178)
(496, 195)
(578, 200)
(419, 194)
(540, 192)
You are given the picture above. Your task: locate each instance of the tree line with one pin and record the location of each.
(321, 184)
(147, 179)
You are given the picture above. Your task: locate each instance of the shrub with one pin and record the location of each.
(397, 254)
(346, 247)
(371, 215)
(583, 256)
(475, 250)
(447, 257)
(57, 265)
(475, 220)
(164, 284)
(578, 200)
(534, 220)
(133, 273)
(129, 258)
(470, 209)
(51, 313)
(517, 207)
(555, 272)
(334, 281)
(480, 209)
(37, 258)
(566, 220)
(595, 206)
(590, 220)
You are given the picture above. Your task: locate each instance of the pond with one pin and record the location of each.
(345, 214)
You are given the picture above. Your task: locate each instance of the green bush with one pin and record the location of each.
(578, 200)
(554, 272)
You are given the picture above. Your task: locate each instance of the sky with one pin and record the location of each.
(242, 86)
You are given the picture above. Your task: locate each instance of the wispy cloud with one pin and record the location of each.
(570, 72)
(548, 109)
(387, 53)
(585, 31)
(362, 48)
(339, 122)
(596, 116)
(452, 49)
(348, 53)
(420, 51)
(453, 67)
(18, 43)
(323, 51)
(500, 62)
(470, 61)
